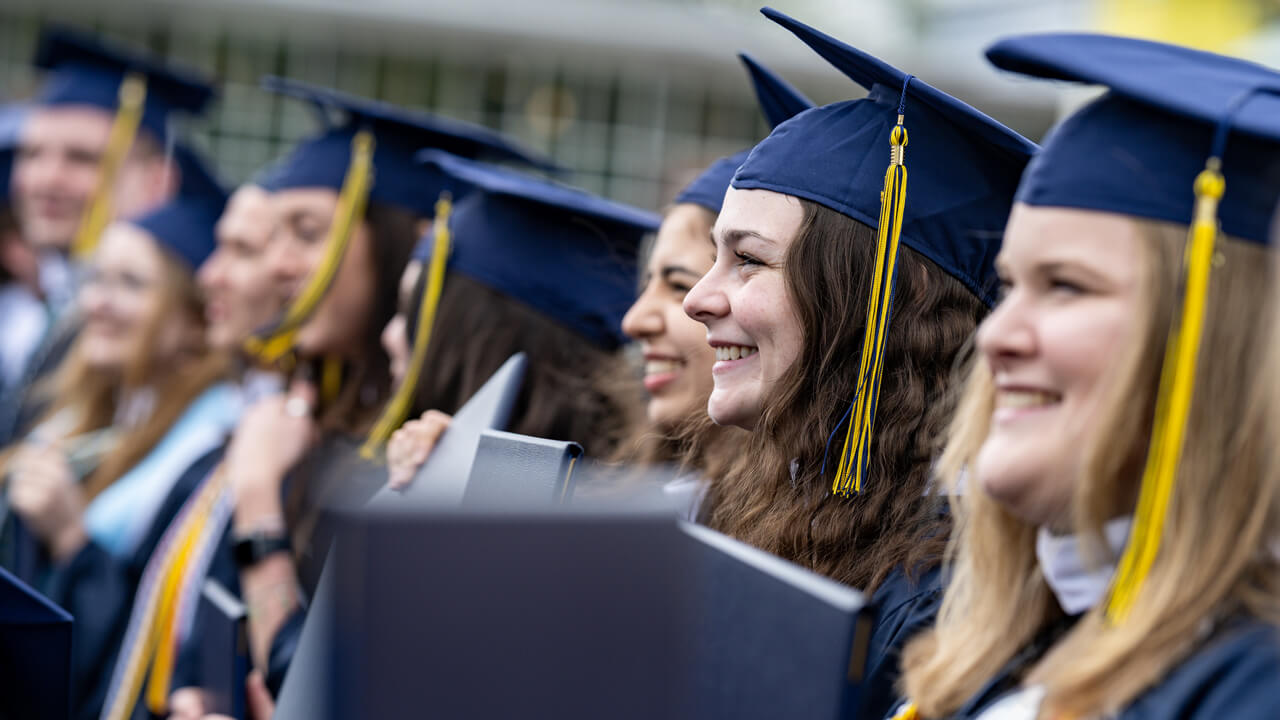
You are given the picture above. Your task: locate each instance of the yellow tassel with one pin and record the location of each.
(855, 454)
(330, 379)
(273, 345)
(99, 210)
(1173, 404)
(398, 408)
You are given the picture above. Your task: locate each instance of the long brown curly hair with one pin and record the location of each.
(776, 495)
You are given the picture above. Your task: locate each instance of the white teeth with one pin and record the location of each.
(1025, 398)
(658, 367)
(734, 352)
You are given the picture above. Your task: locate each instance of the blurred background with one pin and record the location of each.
(634, 95)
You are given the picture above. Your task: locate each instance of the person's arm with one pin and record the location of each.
(271, 438)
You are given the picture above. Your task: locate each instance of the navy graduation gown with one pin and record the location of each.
(97, 589)
(1234, 673)
(904, 607)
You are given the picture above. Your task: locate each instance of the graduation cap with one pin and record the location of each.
(83, 70)
(185, 224)
(398, 133)
(1182, 136)
(141, 91)
(562, 251)
(367, 155)
(965, 168)
(778, 101)
(35, 653)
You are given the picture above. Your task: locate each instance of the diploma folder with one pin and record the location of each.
(440, 482)
(521, 471)
(35, 654)
(773, 639)
(565, 614)
(442, 479)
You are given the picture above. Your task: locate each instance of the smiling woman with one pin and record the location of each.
(837, 321)
(1116, 546)
(89, 481)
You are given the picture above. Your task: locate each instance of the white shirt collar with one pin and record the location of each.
(1077, 584)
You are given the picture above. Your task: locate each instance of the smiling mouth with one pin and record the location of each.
(1025, 399)
(660, 367)
(734, 352)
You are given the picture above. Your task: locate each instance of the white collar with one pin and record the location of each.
(1079, 585)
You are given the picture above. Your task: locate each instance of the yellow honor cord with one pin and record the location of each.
(908, 712)
(857, 443)
(275, 344)
(398, 408)
(99, 210)
(1173, 404)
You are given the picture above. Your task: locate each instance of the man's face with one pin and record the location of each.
(240, 293)
(56, 172)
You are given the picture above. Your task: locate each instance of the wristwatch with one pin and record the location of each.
(252, 548)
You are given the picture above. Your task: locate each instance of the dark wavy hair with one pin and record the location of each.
(895, 521)
(567, 393)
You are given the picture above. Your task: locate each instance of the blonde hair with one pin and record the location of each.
(90, 396)
(1214, 557)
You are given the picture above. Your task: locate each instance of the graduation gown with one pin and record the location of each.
(335, 475)
(904, 606)
(1234, 673)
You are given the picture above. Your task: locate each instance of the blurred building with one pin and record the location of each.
(633, 95)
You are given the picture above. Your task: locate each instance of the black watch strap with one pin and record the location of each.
(251, 548)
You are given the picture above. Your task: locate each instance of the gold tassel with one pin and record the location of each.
(276, 344)
(1173, 404)
(855, 454)
(99, 211)
(398, 408)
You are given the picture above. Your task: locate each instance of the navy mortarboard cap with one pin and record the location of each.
(85, 71)
(964, 165)
(563, 251)
(1137, 149)
(964, 172)
(185, 223)
(35, 653)
(779, 102)
(11, 119)
(398, 133)
(1182, 136)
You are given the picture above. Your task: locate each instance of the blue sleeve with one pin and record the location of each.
(903, 608)
(283, 645)
(1236, 674)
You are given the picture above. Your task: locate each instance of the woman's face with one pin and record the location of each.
(744, 303)
(395, 336)
(121, 296)
(677, 358)
(339, 323)
(1072, 303)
